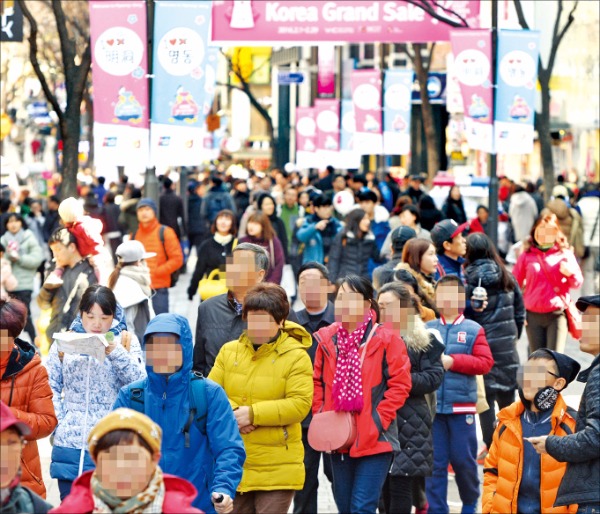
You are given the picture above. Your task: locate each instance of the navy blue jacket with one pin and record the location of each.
(448, 266)
(213, 462)
(465, 341)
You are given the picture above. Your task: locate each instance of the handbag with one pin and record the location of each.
(333, 431)
(571, 312)
(213, 285)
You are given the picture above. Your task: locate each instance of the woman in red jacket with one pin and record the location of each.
(363, 368)
(547, 270)
(125, 446)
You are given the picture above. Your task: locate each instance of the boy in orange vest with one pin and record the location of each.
(515, 478)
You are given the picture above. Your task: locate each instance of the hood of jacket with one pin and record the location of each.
(291, 337)
(173, 324)
(419, 340)
(21, 355)
(425, 285)
(559, 207)
(485, 269)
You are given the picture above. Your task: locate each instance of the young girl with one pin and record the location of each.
(85, 389)
(125, 446)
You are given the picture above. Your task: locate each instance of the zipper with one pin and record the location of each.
(446, 347)
(285, 437)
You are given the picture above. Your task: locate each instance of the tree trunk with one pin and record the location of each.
(89, 110)
(433, 160)
(546, 139)
(70, 129)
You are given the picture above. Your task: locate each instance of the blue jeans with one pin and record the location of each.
(64, 488)
(160, 301)
(357, 482)
(589, 509)
(454, 442)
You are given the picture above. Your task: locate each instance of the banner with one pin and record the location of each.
(366, 97)
(328, 124)
(347, 157)
(326, 71)
(518, 52)
(354, 21)
(119, 77)
(473, 69)
(12, 22)
(181, 80)
(306, 137)
(397, 108)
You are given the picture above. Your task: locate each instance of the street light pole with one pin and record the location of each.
(493, 187)
(150, 180)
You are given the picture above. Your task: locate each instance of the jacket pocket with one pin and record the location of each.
(31, 473)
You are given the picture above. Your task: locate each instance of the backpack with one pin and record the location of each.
(215, 203)
(576, 239)
(198, 403)
(161, 235)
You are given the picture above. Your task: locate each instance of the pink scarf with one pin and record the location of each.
(347, 381)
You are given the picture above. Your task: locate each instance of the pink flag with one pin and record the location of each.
(366, 97)
(328, 124)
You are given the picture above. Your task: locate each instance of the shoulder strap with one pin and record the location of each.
(371, 334)
(136, 396)
(441, 270)
(198, 406)
(595, 227)
(545, 271)
(161, 235)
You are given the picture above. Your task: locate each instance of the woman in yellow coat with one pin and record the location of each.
(267, 375)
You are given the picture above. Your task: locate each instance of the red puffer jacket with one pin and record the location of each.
(179, 495)
(544, 283)
(386, 385)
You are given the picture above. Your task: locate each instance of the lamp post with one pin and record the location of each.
(150, 180)
(493, 187)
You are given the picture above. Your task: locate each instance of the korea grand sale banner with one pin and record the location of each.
(120, 81)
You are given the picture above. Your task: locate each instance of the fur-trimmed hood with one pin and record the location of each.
(425, 286)
(419, 339)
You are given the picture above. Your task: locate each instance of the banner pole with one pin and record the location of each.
(493, 187)
(150, 182)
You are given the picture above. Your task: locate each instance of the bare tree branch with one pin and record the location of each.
(521, 15)
(33, 57)
(430, 57)
(558, 35)
(430, 8)
(67, 45)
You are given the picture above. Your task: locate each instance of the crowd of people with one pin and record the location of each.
(344, 319)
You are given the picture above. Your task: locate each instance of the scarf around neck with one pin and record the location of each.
(223, 240)
(347, 381)
(141, 274)
(147, 501)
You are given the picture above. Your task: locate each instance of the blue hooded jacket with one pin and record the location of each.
(213, 462)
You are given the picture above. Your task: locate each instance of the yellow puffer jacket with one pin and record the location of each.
(276, 381)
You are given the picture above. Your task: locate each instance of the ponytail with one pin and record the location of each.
(114, 276)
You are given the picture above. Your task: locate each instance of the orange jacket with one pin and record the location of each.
(164, 263)
(503, 467)
(25, 389)
(386, 384)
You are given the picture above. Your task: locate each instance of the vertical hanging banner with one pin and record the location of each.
(181, 30)
(328, 129)
(326, 71)
(119, 78)
(347, 157)
(366, 97)
(397, 107)
(306, 137)
(518, 52)
(473, 69)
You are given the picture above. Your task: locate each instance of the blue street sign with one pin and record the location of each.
(286, 78)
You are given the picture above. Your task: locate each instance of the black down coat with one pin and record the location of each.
(349, 254)
(580, 450)
(502, 320)
(415, 458)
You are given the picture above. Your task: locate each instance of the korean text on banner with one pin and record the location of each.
(182, 75)
(306, 137)
(119, 78)
(473, 68)
(518, 52)
(353, 21)
(366, 97)
(397, 109)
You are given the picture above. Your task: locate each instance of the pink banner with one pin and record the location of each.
(306, 137)
(343, 20)
(328, 124)
(472, 51)
(120, 62)
(366, 98)
(326, 71)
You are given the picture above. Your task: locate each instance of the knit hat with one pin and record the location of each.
(445, 230)
(400, 236)
(147, 202)
(568, 368)
(8, 420)
(133, 251)
(126, 419)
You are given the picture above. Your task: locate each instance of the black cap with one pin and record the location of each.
(584, 301)
(400, 236)
(568, 368)
(416, 176)
(445, 230)
(366, 195)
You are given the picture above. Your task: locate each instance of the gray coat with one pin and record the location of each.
(218, 323)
